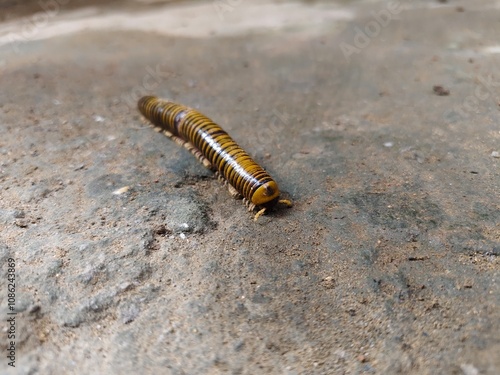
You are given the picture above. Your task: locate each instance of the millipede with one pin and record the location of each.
(216, 150)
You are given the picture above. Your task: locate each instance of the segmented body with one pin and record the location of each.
(215, 148)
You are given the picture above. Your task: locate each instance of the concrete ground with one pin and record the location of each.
(380, 120)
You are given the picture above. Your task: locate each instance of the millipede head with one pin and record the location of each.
(266, 194)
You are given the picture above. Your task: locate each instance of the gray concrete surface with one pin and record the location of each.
(130, 256)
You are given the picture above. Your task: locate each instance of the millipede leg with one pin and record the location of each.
(286, 202)
(198, 154)
(259, 214)
(188, 146)
(220, 178)
(249, 204)
(233, 192)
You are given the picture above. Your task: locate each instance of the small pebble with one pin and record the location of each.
(19, 214)
(121, 190)
(440, 91)
(21, 223)
(495, 154)
(328, 282)
(388, 144)
(161, 230)
(469, 369)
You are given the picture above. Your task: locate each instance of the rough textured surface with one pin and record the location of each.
(132, 257)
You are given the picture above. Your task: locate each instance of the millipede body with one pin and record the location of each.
(216, 150)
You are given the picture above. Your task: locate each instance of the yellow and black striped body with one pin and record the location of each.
(208, 141)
